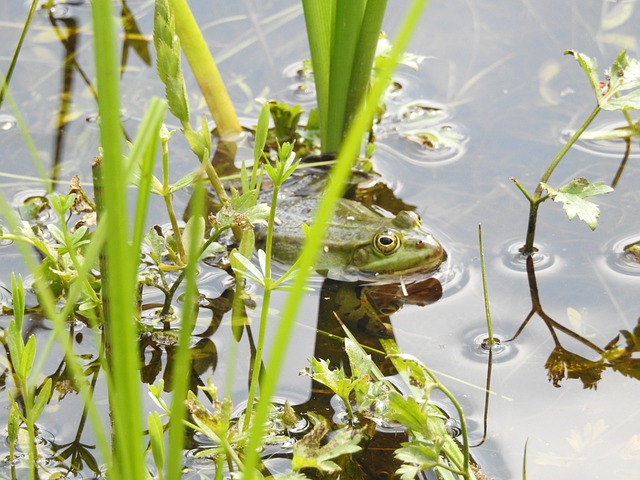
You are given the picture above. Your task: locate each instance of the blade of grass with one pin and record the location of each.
(347, 21)
(119, 284)
(16, 52)
(318, 19)
(335, 188)
(366, 48)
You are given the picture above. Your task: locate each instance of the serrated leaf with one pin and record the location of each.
(625, 73)
(573, 198)
(307, 453)
(155, 243)
(361, 363)
(407, 411)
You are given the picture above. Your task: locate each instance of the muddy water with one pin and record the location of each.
(494, 74)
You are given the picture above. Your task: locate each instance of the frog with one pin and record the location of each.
(361, 244)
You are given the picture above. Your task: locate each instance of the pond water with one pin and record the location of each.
(498, 74)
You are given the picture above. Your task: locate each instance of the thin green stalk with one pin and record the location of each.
(537, 198)
(14, 59)
(264, 311)
(335, 188)
(464, 432)
(205, 70)
(565, 148)
(180, 381)
(119, 284)
(485, 290)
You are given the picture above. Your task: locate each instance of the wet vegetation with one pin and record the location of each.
(94, 264)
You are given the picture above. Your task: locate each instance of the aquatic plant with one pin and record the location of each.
(619, 92)
(342, 39)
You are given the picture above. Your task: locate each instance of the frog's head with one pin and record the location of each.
(401, 248)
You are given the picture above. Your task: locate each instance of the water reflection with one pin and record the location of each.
(564, 364)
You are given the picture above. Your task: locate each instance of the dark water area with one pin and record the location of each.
(495, 75)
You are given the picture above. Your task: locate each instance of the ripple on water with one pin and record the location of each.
(7, 122)
(301, 89)
(44, 438)
(433, 147)
(616, 258)
(515, 261)
(476, 347)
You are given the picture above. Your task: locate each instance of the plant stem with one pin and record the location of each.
(537, 198)
(205, 70)
(264, 312)
(484, 289)
(563, 151)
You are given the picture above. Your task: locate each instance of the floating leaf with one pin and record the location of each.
(573, 197)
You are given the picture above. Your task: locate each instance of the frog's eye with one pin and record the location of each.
(386, 242)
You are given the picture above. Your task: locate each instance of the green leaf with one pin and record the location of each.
(261, 132)
(42, 399)
(629, 101)
(193, 230)
(621, 132)
(335, 379)
(245, 266)
(156, 440)
(308, 453)
(407, 411)
(625, 73)
(590, 66)
(361, 363)
(27, 357)
(419, 453)
(573, 197)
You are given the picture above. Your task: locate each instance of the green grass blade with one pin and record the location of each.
(318, 16)
(119, 284)
(366, 48)
(347, 22)
(16, 52)
(144, 154)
